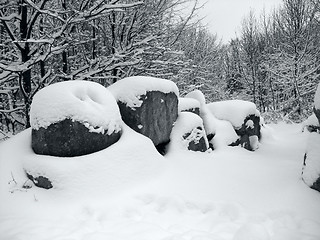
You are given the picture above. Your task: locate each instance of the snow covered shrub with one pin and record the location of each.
(148, 105)
(74, 118)
(244, 117)
(188, 133)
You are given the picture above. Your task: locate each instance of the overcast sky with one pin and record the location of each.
(224, 16)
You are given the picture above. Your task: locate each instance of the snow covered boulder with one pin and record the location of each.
(311, 164)
(244, 117)
(148, 105)
(207, 117)
(189, 105)
(188, 133)
(311, 124)
(74, 118)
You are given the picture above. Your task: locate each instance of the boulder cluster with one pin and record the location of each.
(76, 118)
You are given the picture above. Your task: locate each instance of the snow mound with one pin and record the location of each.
(234, 111)
(87, 102)
(311, 171)
(225, 195)
(186, 123)
(188, 103)
(198, 95)
(224, 135)
(112, 169)
(129, 89)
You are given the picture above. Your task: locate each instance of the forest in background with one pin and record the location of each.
(274, 62)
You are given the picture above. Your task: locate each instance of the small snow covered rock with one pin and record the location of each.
(234, 111)
(148, 105)
(189, 105)
(311, 164)
(250, 132)
(74, 118)
(188, 133)
(311, 124)
(207, 117)
(244, 117)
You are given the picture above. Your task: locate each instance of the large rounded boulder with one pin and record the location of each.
(74, 118)
(148, 105)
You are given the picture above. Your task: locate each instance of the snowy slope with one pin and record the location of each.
(226, 194)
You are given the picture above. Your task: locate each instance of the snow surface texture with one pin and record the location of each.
(229, 194)
(311, 172)
(83, 101)
(234, 111)
(128, 90)
(186, 123)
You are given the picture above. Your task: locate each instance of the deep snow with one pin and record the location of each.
(230, 193)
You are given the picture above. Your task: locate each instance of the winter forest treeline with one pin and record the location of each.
(274, 62)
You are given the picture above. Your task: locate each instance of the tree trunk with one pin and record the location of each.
(26, 75)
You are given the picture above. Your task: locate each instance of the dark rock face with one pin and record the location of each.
(198, 142)
(154, 118)
(248, 130)
(70, 138)
(40, 181)
(316, 185)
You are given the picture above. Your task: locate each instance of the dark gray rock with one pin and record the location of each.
(70, 138)
(197, 143)
(154, 118)
(40, 181)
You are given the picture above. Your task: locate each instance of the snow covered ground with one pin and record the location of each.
(230, 193)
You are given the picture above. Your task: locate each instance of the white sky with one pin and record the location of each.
(224, 16)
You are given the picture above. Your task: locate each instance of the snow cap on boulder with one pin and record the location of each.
(189, 105)
(128, 90)
(86, 102)
(198, 95)
(234, 111)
